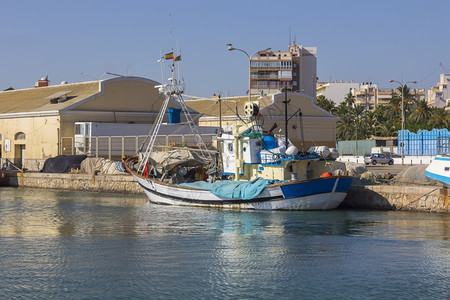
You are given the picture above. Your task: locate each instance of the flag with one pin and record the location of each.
(168, 55)
(161, 59)
(177, 58)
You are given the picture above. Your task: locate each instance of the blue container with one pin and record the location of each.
(174, 115)
(269, 142)
(423, 142)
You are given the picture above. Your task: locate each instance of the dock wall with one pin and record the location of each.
(82, 182)
(373, 197)
(398, 197)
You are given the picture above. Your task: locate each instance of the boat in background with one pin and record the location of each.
(250, 170)
(439, 170)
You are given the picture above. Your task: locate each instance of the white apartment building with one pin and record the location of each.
(336, 91)
(439, 95)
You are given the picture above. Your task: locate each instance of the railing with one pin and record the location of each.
(443, 146)
(275, 76)
(9, 165)
(115, 147)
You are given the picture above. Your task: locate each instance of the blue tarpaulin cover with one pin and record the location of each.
(245, 190)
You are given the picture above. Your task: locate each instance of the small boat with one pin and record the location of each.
(253, 169)
(439, 169)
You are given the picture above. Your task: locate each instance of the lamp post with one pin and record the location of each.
(231, 48)
(403, 115)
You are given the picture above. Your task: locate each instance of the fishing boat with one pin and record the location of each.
(251, 168)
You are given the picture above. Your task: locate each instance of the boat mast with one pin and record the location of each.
(286, 101)
(172, 90)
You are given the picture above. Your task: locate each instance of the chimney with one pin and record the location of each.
(42, 82)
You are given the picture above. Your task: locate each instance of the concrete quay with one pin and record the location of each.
(398, 197)
(81, 182)
(423, 198)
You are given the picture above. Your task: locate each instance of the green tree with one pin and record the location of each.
(345, 128)
(352, 125)
(421, 112)
(358, 114)
(326, 104)
(342, 109)
(440, 118)
(386, 129)
(396, 101)
(349, 99)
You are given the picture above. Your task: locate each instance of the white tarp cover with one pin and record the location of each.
(166, 161)
(99, 166)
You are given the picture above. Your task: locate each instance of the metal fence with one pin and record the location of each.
(114, 147)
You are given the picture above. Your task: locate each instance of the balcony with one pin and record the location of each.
(269, 76)
(271, 85)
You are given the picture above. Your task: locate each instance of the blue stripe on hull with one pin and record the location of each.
(444, 179)
(316, 187)
(442, 158)
(344, 184)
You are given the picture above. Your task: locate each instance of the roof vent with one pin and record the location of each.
(42, 82)
(58, 97)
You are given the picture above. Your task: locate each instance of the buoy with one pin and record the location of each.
(326, 174)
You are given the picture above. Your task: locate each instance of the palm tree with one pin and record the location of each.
(349, 99)
(440, 118)
(371, 121)
(396, 100)
(345, 128)
(421, 112)
(358, 114)
(386, 129)
(325, 103)
(342, 109)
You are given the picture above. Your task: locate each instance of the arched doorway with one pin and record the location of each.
(19, 149)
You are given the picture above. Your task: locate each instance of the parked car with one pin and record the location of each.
(391, 154)
(378, 158)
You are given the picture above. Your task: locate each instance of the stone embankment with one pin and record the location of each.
(376, 197)
(398, 197)
(82, 182)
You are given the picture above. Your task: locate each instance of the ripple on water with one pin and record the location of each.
(70, 245)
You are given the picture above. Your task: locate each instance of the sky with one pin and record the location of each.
(357, 40)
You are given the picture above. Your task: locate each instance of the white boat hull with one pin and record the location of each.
(316, 194)
(439, 170)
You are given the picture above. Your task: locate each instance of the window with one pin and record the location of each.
(77, 128)
(20, 136)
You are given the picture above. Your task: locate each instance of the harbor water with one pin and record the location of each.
(84, 245)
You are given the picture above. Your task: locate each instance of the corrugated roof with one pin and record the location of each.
(210, 107)
(37, 99)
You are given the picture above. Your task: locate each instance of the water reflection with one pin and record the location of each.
(59, 244)
(39, 212)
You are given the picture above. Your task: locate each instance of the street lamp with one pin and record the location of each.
(403, 115)
(231, 48)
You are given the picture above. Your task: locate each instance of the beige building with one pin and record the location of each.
(315, 127)
(296, 69)
(32, 121)
(37, 123)
(370, 96)
(366, 94)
